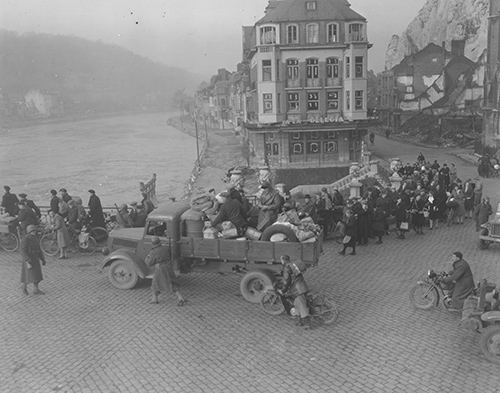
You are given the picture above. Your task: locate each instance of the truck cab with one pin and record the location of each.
(490, 231)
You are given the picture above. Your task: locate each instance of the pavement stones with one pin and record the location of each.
(86, 336)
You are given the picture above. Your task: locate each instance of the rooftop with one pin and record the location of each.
(295, 10)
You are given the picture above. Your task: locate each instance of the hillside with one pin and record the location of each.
(45, 75)
(443, 20)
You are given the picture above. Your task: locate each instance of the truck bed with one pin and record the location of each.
(249, 251)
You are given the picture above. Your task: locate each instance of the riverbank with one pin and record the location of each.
(221, 151)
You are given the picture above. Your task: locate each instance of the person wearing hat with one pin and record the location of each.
(9, 202)
(32, 254)
(64, 195)
(95, 211)
(160, 259)
(24, 198)
(54, 201)
(308, 208)
(461, 281)
(123, 216)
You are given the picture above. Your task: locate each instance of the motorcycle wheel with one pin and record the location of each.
(490, 344)
(325, 309)
(424, 296)
(271, 303)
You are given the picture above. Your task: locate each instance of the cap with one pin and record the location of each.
(23, 195)
(53, 192)
(30, 228)
(7, 188)
(63, 190)
(458, 254)
(92, 191)
(155, 241)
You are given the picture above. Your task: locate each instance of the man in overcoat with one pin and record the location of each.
(482, 212)
(31, 272)
(9, 202)
(24, 198)
(164, 276)
(95, 211)
(461, 279)
(270, 202)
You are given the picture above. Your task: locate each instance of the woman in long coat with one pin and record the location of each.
(31, 272)
(62, 233)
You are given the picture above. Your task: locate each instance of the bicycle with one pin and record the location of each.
(80, 240)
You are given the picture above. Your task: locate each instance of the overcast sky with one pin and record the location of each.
(199, 35)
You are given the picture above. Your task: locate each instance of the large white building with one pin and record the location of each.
(308, 78)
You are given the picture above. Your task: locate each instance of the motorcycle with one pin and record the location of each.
(321, 308)
(481, 312)
(427, 293)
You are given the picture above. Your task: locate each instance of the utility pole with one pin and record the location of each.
(197, 142)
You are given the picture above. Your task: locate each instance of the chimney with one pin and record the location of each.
(457, 48)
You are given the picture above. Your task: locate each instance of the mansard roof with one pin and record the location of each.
(295, 11)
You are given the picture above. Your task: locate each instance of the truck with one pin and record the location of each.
(257, 260)
(490, 231)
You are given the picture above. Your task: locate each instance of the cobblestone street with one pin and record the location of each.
(86, 336)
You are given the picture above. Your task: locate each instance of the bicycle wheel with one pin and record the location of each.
(100, 234)
(9, 242)
(48, 244)
(88, 246)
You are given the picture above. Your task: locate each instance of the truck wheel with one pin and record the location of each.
(484, 244)
(122, 274)
(275, 229)
(490, 343)
(254, 284)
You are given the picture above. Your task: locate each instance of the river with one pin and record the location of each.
(111, 155)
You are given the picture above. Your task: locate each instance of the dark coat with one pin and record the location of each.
(231, 211)
(378, 222)
(9, 203)
(294, 281)
(32, 254)
(54, 204)
(461, 277)
(482, 213)
(95, 212)
(27, 217)
(33, 207)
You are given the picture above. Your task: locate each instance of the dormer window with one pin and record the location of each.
(356, 32)
(310, 5)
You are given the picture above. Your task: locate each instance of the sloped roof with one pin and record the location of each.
(405, 66)
(295, 10)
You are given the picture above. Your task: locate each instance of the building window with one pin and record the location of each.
(312, 101)
(292, 69)
(347, 67)
(297, 148)
(358, 99)
(313, 147)
(310, 5)
(312, 33)
(356, 32)
(358, 66)
(267, 100)
(348, 100)
(267, 35)
(332, 100)
(272, 149)
(332, 32)
(296, 136)
(293, 101)
(312, 68)
(292, 34)
(266, 70)
(330, 147)
(332, 67)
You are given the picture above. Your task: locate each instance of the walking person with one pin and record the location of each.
(351, 232)
(31, 272)
(54, 201)
(62, 233)
(482, 213)
(164, 275)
